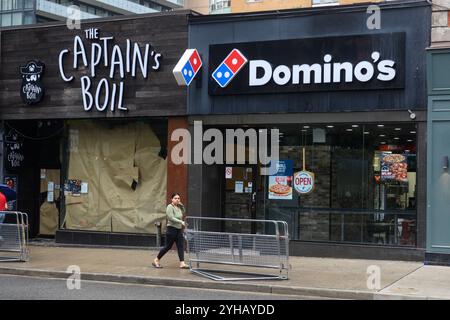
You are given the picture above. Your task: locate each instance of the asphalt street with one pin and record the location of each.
(34, 288)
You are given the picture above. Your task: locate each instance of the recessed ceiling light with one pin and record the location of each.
(330, 126)
(397, 138)
(382, 135)
(303, 130)
(383, 142)
(409, 140)
(398, 129)
(407, 150)
(380, 125)
(412, 132)
(355, 126)
(349, 130)
(367, 132)
(306, 127)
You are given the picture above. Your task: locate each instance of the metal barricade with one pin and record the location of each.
(13, 236)
(238, 246)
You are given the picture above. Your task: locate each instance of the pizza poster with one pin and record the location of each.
(394, 167)
(280, 184)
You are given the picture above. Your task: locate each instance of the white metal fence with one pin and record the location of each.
(220, 241)
(13, 236)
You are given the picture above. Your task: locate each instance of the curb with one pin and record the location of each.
(229, 286)
(203, 284)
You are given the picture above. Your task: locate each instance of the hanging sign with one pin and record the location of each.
(187, 67)
(304, 180)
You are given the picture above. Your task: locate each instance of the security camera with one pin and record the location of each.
(412, 115)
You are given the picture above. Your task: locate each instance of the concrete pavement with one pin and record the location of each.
(320, 277)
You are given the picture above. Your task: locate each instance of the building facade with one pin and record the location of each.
(86, 118)
(356, 128)
(239, 6)
(438, 191)
(24, 12)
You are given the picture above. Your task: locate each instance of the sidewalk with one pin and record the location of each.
(331, 278)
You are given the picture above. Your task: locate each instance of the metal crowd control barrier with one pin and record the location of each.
(13, 236)
(238, 246)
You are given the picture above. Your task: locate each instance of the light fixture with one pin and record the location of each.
(382, 135)
(330, 126)
(412, 132)
(383, 142)
(380, 125)
(366, 132)
(398, 129)
(355, 126)
(409, 140)
(349, 130)
(306, 127)
(304, 130)
(396, 138)
(445, 162)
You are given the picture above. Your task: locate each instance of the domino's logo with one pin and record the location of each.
(229, 68)
(187, 67)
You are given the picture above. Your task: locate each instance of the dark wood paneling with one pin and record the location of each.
(158, 95)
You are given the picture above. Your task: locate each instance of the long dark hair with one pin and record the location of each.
(174, 195)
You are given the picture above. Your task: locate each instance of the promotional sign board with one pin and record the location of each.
(280, 184)
(357, 62)
(394, 167)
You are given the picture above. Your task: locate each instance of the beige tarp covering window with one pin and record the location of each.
(112, 158)
(48, 221)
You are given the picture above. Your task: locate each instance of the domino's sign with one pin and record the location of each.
(187, 67)
(229, 68)
(360, 62)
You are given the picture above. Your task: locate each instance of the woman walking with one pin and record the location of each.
(174, 232)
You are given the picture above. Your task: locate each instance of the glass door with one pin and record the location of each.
(240, 196)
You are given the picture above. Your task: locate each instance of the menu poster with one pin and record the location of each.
(280, 184)
(394, 167)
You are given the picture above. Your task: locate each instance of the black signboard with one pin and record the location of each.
(32, 89)
(14, 152)
(357, 62)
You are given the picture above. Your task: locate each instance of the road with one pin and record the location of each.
(34, 288)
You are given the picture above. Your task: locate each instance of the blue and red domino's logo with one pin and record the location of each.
(229, 68)
(187, 67)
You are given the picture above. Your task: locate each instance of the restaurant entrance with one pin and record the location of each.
(239, 195)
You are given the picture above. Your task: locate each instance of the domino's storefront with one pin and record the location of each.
(343, 103)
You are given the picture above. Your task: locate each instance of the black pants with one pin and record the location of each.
(173, 235)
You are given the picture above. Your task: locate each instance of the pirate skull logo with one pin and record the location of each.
(32, 89)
